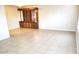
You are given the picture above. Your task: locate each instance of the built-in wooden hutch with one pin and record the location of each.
(29, 16)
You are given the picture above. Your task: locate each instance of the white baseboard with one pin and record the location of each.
(60, 29)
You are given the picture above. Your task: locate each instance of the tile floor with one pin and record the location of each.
(35, 41)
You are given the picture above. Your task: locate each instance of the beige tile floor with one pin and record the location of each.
(39, 41)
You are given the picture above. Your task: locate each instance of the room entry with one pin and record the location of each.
(30, 17)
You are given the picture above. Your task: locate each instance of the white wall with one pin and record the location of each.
(13, 16)
(77, 33)
(58, 17)
(3, 24)
(78, 21)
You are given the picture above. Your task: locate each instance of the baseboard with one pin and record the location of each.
(60, 29)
